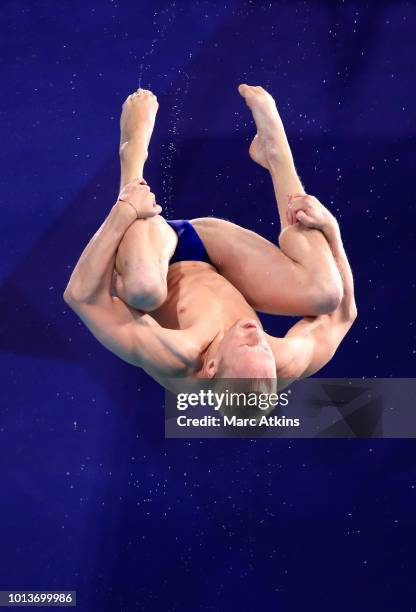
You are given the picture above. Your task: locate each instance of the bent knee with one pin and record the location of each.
(326, 298)
(146, 293)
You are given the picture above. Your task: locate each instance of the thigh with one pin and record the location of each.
(145, 249)
(269, 280)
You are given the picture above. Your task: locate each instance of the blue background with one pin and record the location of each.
(93, 498)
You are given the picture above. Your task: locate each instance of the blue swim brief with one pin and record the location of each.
(190, 246)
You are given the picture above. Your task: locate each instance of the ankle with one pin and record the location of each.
(133, 147)
(278, 157)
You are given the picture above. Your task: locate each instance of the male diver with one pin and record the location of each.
(178, 298)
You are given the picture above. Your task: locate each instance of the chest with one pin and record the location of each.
(198, 294)
(187, 301)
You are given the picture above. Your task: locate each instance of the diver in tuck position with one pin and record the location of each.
(178, 298)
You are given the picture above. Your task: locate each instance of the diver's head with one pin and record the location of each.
(243, 352)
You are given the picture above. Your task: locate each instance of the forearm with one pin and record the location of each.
(92, 274)
(333, 235)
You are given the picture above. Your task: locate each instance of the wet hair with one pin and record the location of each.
(222, 372)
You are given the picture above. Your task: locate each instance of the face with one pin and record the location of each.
(244, 353)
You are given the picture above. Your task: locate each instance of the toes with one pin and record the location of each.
(245, 89)
(139, 93)
(144, 92)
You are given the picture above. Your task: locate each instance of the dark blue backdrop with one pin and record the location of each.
(93, 497)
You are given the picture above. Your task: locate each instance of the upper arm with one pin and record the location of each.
(112, 323)
(324, 339)
(309, 345)
(136, 337)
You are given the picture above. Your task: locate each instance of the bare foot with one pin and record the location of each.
(136, 126)
(270, 142)
(137, 121)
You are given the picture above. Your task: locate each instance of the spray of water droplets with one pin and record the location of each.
(162, 21)
(170, 149)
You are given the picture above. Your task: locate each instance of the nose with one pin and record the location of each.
(249, 324)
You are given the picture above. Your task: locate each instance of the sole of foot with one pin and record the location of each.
(138, 119)
(270, 140)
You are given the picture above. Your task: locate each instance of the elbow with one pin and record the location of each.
(72, 297)
(68, 296)
(353, 313)
(76, 297)
(349, 314)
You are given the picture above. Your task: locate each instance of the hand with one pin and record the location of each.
(138, 195)
(309, 212)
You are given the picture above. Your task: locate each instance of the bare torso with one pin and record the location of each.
(197, 291)
(201, 302)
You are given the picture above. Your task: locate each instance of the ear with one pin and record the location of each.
(211, 368)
